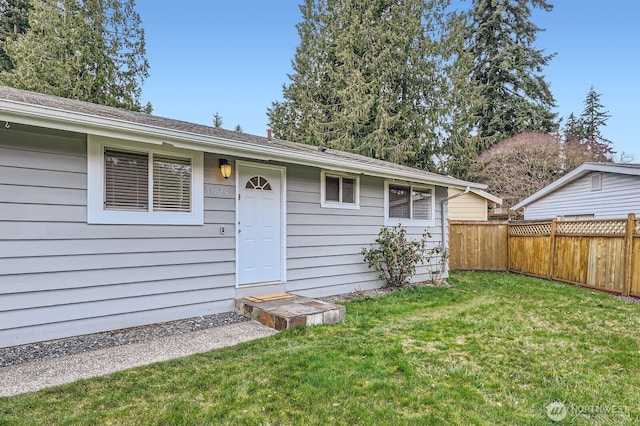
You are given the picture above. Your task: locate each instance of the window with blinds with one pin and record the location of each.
(399, 202)
(409, 203)
(171, 184)
(126, 180)
(127, 177)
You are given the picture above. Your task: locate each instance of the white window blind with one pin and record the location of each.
(171, 184)
(126, 180)
(399, 202)
(421, 204)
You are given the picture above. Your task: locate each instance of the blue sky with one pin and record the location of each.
(233, 58)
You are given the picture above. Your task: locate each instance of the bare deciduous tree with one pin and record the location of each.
(523, 164)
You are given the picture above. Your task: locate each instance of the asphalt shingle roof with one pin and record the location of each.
(90, 109)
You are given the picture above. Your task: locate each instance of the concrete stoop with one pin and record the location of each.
(287, 310)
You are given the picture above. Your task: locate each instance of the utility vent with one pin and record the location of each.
(596, 182)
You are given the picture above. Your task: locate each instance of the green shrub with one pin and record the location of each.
(395, 257)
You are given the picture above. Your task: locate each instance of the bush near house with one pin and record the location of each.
(395, 257)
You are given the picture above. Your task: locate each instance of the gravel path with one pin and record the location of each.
(74, 345)
(44, 373)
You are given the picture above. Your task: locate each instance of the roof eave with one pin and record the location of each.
(487, 196)
(38, 115)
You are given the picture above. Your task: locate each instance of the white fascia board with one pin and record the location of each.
(486, 195)
(40, 116)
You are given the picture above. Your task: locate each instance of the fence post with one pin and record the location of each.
(508, 254)
(628, 253)
(552, 236)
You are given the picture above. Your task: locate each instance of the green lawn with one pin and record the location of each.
(491, 349)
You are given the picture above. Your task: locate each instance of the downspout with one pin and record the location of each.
(445, 239)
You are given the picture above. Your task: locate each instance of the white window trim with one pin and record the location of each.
(392, 221)
(338, 204)
(96, 213)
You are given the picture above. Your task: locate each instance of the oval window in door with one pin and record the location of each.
(259, 183)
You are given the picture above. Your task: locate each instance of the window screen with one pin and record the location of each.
(332, 188)
(126, 180)
(171, 184)
(399, 202)
(421, 204)
(348, 190)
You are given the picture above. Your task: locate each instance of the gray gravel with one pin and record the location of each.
(74, 345)
(44, 373)
(628, 299)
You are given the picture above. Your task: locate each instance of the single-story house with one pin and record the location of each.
(591, 191)
(111, 219)
(471, 204)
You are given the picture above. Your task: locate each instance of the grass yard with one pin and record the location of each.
(492, 349)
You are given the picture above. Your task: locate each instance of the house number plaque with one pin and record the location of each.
(219, 191)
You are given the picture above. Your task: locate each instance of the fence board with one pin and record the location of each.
(478, 246)
(635, 268)
(600, 254)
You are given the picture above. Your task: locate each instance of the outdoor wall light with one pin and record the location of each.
(225, 168)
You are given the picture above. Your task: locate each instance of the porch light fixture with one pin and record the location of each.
(225, 168)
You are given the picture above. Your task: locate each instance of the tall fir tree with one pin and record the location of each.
(461, 100)
(217, 120)
(14, 20)
(508, 68)
(584, 132)
(573, 130)
(366, 79)
(92, 50)
(593, 118)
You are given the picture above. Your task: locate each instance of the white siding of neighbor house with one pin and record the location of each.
(618, 196)
(324, 244)
(60, 276)
(467, 207)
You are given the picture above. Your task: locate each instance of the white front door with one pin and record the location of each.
(259, 254)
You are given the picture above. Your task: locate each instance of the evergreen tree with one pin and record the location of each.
(459, 138)
(367, 79)
(217, 120)
(593, 118)
(584, 132)
(508, 68)
(14, 20)
(573, 130)
(92, 50)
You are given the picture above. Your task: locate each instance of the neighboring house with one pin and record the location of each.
(593, 190)
(111, 219)
(471, 204)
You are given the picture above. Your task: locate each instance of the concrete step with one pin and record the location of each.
(288, 310)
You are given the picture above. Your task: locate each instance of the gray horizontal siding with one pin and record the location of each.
(324, 244)
(619, 196)
(60, 276)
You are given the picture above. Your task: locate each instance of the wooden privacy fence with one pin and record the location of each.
(602, 254)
